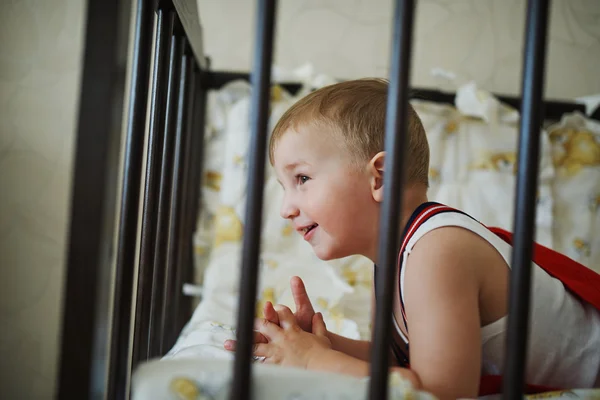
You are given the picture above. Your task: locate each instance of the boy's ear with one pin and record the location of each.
(376, 165)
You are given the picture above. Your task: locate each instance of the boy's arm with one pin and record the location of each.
(355, 348)
(442, 287)
(360, 349)
(334, 361)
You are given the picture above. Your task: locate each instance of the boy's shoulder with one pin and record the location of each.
(452, 241)
(451, 250)
(448, 241)
(455, 220)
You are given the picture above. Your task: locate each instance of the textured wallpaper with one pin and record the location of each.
(480, 40)
(40, 50)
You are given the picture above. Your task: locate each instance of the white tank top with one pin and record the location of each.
(564, 340)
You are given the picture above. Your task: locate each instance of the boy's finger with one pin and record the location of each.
(301, 298)
(270, 313)
(286, 317)
(318, 325)
(230, 344)
(261, 350)
(267, 328)
(260, 338)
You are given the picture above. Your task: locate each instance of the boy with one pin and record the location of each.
(451, 299)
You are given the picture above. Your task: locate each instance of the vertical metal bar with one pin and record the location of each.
(395, 139)
(182, 143)
(162, 214)
(534, 59)
(261, 80)
(130, 196)
(86, 308)
(192, 178)
(141, 350)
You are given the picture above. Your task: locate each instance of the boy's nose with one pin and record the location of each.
(288, 210)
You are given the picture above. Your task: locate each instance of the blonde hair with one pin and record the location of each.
(355, 110)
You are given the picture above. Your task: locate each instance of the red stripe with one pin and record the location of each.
(419, 221)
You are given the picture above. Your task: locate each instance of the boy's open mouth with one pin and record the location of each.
(309, 228)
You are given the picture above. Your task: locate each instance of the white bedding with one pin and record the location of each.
(209, 379)
(576, 188)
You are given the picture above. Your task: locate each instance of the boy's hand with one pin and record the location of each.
(304, 313)
(287, 343)
(304, 309)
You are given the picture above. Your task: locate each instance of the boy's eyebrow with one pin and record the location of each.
(295, 164)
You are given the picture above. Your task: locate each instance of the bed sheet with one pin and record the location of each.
(209, 379)
(576, 157)
(206, 378)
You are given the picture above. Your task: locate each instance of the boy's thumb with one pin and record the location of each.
(318, 325)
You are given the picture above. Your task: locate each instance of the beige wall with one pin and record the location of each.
(40, 65)
(477, 39)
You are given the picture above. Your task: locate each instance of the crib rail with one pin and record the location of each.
(123, 293)
(86, 316)
(554, 109)
(532, 88)
(134, 311)
(144, 320)
(261, 82)
(389, 232)
(170, 192)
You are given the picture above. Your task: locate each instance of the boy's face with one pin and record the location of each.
(328, 199)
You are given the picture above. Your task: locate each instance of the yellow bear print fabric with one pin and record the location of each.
(501, 161)
(212, 180)
(595, 202)
(582, 247)
(287, 229)
(268, 294)
(229, 228)
(185, 389)
(434, 175)
(575, 149)
(576, 156)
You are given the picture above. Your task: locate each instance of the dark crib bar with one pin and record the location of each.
(395, 139)
(171, 287)
(164, 29)
(191, 199)
(85, 334)
(534, 58)
(162, 215)
(261, 80)
(554, 109)
(130, 195)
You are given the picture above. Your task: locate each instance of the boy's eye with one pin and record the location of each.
(302, 179)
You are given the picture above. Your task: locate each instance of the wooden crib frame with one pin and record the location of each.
(130, 247)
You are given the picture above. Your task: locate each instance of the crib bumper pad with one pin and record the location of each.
(211, 379)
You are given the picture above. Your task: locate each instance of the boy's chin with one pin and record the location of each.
(328, 254)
